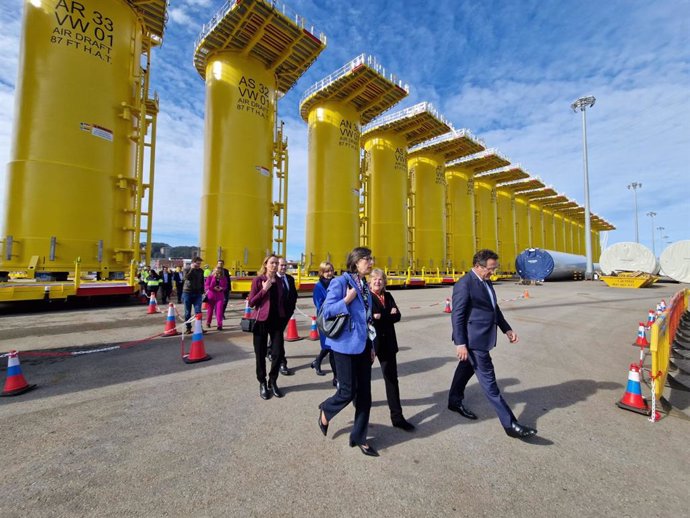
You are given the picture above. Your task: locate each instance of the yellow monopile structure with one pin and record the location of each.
(521, 191)
(504, 223)
(249, 54)
(576, 216)
(462, 240)
(335, 108)
(556, 236)
(566, 224)
(385, 141)
(507, 223)
(426, 165)
(75, 181)
(536, 220)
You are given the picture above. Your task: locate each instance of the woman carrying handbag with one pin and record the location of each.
(349, 295)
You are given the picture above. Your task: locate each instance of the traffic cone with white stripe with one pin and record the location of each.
(447, 308)
(170, 327)
(15, 383)
(292, 335)
(659, 311)
(153, 305)
(651, 317)
(313, 330)
(663, 305)
(247, 309)
(632, 399)
(641, 337)
(197, 352)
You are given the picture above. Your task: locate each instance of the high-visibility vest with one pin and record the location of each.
(153, 283)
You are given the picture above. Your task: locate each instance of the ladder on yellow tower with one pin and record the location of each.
(144, 116)
(280, 171)
(364, 209)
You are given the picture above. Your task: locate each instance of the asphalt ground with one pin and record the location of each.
(134, 431)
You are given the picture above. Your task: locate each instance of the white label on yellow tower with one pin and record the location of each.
(263, 171)
(83, 30)
(97, 131)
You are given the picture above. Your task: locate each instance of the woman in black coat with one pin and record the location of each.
(385, 314)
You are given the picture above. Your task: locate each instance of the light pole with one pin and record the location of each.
(651, 214)
(633, 187)
(661, 234)
(582, 104)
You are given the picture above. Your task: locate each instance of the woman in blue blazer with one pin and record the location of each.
(352, 348)
(326, 272)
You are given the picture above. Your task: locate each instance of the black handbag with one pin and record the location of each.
(247, 324)
(331, 327)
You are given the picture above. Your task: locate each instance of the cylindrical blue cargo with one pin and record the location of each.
(536, 264)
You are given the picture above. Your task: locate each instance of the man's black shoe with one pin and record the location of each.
(404, 425)
(285, 371)
(520, 431)
(263, 391)
(274, 389)
(464, 412)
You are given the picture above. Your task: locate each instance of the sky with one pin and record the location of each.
(506, 71)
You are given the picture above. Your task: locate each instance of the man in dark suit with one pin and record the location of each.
(290, 305)
(475, 316)
(166, 284)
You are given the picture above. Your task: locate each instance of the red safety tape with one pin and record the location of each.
(58, 354)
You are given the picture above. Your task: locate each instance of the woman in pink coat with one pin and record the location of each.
(215, 286)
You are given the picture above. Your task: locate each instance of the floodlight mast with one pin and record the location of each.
(651, 214)
(633, 187)
(582, 104)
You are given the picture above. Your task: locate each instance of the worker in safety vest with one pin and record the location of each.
(152, 283)
(207, 271)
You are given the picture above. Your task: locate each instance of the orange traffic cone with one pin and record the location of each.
(447, 308)
(153, 305)
(632, 399)
(170, 327)
(291, 335)
(204, 306)
(16, 383)
(197, 352)
(313, 331)
(525, 295)
(651, 317)
(641, 337)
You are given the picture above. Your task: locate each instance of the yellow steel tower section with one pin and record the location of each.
(536, 221)
(577, 216)
(561, 211)
(522, 221)
(462, 206)
(385, 141)
(77, 173)
(335, 108)
(550, 207)
(507, 222)
(250, 53)
(502, 227)
(426, 163)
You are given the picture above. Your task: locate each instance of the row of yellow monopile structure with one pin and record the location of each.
(420, 193)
